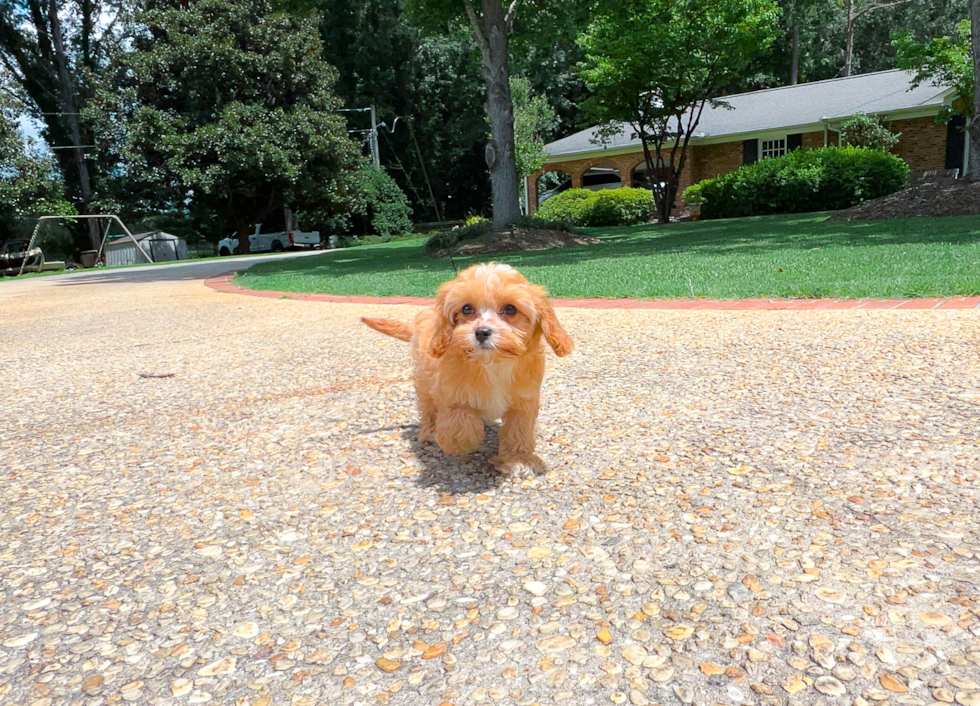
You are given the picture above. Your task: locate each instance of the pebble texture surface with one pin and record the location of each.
(211, 498)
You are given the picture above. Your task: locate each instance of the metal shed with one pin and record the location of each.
(162, 247)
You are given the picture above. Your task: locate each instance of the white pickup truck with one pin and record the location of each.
(272, 242)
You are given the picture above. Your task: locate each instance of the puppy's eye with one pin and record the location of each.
(467, 309)
(510, 310)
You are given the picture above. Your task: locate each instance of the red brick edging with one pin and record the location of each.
(225, 283)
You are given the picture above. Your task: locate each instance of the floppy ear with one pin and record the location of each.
(554, 334)
(441, 337)
(443, 333)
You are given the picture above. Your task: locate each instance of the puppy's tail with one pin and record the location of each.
(403, 332)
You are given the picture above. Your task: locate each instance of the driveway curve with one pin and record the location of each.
(216, 498)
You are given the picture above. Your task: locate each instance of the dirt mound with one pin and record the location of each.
(518, 239)
(941, 198)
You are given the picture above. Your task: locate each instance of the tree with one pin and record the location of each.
(50, 49)
(854, 13)
(29, 179)
(226, 106)
(973, 171)
(430, 84)
(654, 65)
(950, 61)
(492, 24)
(534, 121)
(811, 41)
(418, 61)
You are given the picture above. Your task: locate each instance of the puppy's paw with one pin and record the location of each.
(525, 466)
(427, 434)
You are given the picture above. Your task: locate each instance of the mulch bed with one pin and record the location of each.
(518, 239)
(942, 198)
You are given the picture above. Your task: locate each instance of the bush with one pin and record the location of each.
(868, 131)
(449, 238)
(825, 179)
(473, 220)
(387, 204)
(607, 207)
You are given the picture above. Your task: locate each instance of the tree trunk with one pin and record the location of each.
(242, 230)
(849, 48)
(973, 168)
(74, 124)
(492, 35)
(794, 66)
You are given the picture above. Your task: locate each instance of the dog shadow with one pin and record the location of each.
(455, 475)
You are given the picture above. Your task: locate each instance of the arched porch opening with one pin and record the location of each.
(644, 180)
(603, 175)
(551, 183)
(546, 184)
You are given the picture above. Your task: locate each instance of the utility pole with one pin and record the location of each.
(373, 135)
(375, 154)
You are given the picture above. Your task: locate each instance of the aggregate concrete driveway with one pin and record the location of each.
(743, 508)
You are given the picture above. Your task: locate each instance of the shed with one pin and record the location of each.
(161, 247)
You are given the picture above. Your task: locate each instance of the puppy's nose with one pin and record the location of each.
(483, 333)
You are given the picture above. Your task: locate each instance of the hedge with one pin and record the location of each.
(824, 179)
(607, 207)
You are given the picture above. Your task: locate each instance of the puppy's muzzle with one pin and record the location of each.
(482, 335)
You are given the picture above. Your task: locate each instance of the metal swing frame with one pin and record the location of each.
(105, 235)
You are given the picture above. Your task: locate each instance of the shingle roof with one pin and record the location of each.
(140, 237)
(786, 107)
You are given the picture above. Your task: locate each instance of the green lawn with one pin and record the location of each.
(772, 256)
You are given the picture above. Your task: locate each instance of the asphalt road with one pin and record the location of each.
(165, 272)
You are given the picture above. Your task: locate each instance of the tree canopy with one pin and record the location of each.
(29, 182)
(655, 65)
(228, 106)
(189, 146)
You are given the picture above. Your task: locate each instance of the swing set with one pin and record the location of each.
(100, 253)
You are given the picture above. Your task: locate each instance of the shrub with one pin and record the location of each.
(825, 179)
(868, 131)
(449, 238)
(474, 219)
(387, 204)
(607, 207)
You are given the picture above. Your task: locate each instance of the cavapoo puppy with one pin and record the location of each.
(479, 356)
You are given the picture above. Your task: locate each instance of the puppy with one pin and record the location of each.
(479, 356)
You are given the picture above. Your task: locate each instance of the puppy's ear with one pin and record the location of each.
(554, 333)
(443, 334)
(441, 338)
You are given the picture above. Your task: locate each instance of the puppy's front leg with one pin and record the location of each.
(459, 430)
(516, 455)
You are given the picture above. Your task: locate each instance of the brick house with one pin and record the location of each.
(768, 123)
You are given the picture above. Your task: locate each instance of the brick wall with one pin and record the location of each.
(922, 144)
(712, 160)
(812, 140)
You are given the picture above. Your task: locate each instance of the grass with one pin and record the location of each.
(771, 256)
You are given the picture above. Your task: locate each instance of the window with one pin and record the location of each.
(772, 148)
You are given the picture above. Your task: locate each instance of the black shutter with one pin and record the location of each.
(794, 141)
(955, 142)
(750, 151)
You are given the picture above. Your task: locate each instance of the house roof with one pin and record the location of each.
(805, 104)
(140, 237)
